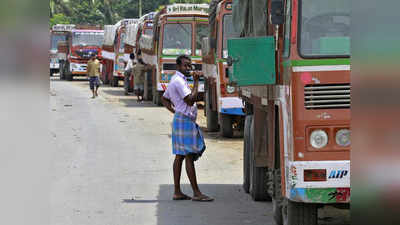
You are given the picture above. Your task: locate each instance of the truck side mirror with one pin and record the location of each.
(277, 12)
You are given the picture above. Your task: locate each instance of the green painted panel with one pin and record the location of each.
(253, 61)
(321, 195)
(318, 62)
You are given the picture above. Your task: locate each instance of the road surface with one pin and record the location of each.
(113, 166)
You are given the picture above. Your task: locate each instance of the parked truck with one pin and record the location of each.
(144, 28)
(223, 107)
(177, 29)
(292, 67)
(81, 42)
(58, 33)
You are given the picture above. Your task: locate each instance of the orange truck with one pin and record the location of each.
(291, 65)
(115, 51)
(81, 42)
(58, 33)
(224, 108)
(177, 29)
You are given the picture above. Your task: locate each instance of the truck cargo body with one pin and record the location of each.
(294, 77)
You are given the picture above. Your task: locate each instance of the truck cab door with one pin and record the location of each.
(253, 61)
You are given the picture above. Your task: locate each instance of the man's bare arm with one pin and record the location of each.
(168, 104)
(193, 97)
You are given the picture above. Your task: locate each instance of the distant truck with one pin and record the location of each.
(58, 33)
(178, 29)
(224, 109)
(292, 67)
(115, 51)
(81, 43)
(144, 28)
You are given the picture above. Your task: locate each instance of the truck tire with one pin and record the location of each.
(246, 154)
(274, 188)
(62, 77)
(157, 98)
(51, 72)
(68, 74)
(212, 116)
(226, 125)
(258, 175)
(114, 81)
(299, 213)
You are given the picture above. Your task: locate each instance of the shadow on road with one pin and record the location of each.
(231, 206)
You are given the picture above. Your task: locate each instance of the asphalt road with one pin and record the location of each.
(113, 166)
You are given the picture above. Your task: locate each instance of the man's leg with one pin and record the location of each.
(191, 172)
(97, 88)
(177, 169)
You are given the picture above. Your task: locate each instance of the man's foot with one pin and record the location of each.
(178, 197)
(202, 198)
(93, 96)
(96, 94)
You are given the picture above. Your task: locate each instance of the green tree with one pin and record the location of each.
(59, 19)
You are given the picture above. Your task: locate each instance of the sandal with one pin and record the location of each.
(202, 198)
(184, 197)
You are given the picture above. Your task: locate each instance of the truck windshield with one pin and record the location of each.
(177, 39)
(88, 38)
(55, 39)
(228, 33)
(325, 28)
(202, 31)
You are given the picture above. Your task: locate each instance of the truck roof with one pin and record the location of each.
(187, 9)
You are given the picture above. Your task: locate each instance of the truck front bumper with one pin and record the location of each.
(333, 188)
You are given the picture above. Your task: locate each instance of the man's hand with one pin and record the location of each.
(168, 104)
(196, 75)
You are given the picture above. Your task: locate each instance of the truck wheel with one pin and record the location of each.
(258, 175)
(299, 213)
(246, 152)
(51, 72)
(274, 189)
(212, 116)
(62, 71)
(114, 81)
(226, 125)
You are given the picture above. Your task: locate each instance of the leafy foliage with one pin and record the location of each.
(103, 11)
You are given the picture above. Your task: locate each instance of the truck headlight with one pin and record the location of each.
(230, 89)
(343, 137)
(318, 139)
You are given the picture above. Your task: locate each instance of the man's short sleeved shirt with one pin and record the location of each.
(177, 90)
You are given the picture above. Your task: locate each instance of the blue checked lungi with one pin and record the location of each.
(186, 137)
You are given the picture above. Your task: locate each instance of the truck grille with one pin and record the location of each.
(327, 96)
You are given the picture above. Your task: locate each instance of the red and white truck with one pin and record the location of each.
(81, 42)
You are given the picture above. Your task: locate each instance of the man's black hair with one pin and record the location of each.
(132, 56)
(181, 58)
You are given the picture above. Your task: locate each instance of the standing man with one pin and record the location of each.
(139, 72)
(187, 139)
(93, 70)
(128, 72)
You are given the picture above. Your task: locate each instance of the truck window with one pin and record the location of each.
(228, 32)
(55, 39)
(88, 38)
(325, 28)
(177, 39)
(202, 31)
